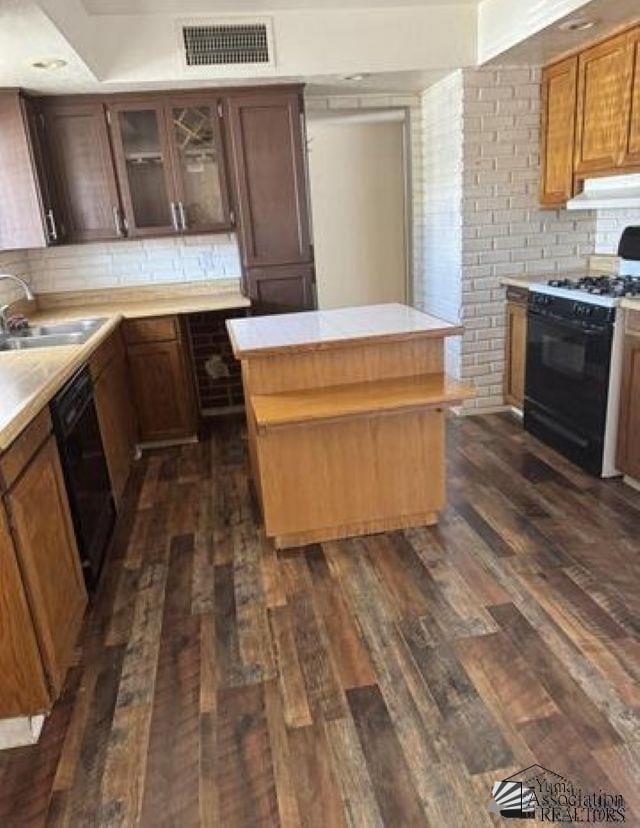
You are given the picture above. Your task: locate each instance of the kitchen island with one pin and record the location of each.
(346, 419)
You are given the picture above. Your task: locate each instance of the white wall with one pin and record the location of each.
(357, 182)
(439, 290)
(411, 103)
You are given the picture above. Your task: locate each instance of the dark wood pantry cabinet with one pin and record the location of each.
(266, 133)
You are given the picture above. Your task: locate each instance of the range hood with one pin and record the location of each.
(607, 193)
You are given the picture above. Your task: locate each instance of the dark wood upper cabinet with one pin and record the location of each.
(143, 161)
(268, 163)
(171, 166)
(83, 172)
(27, 216)
(198, 164)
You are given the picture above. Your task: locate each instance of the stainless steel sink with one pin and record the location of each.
(82, 326)
(51, 336)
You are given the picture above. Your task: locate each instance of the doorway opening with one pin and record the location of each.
(360, 185)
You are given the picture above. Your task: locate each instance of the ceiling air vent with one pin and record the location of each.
(227, 44)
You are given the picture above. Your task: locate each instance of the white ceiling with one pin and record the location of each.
(550, 42)
(106, 7)
(403, 46)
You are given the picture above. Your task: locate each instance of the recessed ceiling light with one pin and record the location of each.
(359, 76)
(49, 63)
(578, 24)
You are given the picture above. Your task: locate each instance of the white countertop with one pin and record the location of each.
(313, 330)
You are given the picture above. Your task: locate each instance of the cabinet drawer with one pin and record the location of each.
(517, 295)
(155, 329)
(23, 448)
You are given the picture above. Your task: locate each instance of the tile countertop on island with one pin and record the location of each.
(322, 330)
(30, 379)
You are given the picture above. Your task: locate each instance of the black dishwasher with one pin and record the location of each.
(75, 422)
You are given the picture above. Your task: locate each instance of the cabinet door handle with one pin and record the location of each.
(183, 215)
(117, 222)
(51, 222)
(174, 217)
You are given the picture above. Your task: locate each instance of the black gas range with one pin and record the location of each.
(574, 365)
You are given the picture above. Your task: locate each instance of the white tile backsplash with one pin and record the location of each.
(16, 263)
(134, 262)
(609, 227)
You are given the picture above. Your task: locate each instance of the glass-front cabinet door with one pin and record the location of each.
(198, 164)
(143, 159)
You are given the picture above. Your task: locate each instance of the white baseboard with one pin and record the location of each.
(21, 731)
(630, 481)
(460, 411)
(156, 444)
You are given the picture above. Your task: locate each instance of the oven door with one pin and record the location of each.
(568, 370)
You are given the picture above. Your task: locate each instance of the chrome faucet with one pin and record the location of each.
(4, 324)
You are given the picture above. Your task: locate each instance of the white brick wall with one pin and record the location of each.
(504, 231)
(609, 227)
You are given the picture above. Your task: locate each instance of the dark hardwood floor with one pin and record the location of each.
(386, 680)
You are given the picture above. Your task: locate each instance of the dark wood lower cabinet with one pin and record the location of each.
(281, 289)
(515, 347)
(48, 557)
(116, 416)
(629, 428)
(23, 687)
(162, 380)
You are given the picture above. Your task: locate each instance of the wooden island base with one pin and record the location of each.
(346, 415)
